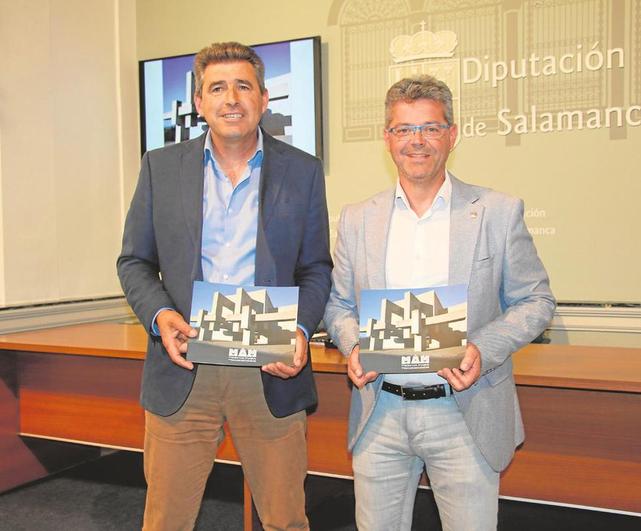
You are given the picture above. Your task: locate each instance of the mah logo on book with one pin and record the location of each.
(415, 361)
(243, 354)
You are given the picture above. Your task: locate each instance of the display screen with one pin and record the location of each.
(292, 78)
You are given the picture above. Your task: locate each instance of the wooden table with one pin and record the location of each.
(80, 384)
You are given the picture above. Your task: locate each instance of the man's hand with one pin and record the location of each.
(355, 370)
(300, 360)
(468, 372)
(174, 332)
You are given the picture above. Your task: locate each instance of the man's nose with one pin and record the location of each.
(231, 96)
(417, 137)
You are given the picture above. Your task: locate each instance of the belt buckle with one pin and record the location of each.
(405, 393)
(423, 392)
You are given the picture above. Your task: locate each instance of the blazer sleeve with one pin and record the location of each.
(341, 313)
(138, 265)
(526, 299)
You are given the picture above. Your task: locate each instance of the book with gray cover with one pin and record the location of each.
(413, 329)
(247, 326)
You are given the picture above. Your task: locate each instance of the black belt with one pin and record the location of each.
(419, 392)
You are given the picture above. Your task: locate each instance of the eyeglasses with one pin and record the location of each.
(431, 130)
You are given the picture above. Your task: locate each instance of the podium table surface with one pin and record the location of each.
(570, 366)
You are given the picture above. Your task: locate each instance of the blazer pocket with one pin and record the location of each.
(483, 263)
(496, 376)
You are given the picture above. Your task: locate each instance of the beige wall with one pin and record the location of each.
(68, 145)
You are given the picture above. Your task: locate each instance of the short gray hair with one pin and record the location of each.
(227, 52)
(421, 87)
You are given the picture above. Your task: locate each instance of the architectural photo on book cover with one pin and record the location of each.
(417, 329)
(243, 325)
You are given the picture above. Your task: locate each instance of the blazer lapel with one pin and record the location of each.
(271, 179)
(191, 186)
(377, 218)
(272, 176)
(466, 216)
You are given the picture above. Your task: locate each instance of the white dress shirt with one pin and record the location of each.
(418, 252)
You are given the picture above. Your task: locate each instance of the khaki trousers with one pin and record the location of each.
(180, 451)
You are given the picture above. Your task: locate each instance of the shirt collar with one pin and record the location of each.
(254, 161)
(442, 199)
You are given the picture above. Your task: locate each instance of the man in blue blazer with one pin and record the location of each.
(233, 206)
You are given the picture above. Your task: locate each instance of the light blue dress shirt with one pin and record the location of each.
(230, 220)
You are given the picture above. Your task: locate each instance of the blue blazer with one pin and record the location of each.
(161, 256)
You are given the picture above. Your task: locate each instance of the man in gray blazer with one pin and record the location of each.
(464, 423)
(234, 206)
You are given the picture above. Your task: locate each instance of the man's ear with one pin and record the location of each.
(453, 132)
(387, 137)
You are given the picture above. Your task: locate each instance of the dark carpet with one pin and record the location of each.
(109, 494)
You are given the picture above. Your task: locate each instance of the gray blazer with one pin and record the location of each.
(161, 256)
(509, 302)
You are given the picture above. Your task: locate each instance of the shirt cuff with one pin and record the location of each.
(304, 330)
(154, 327)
